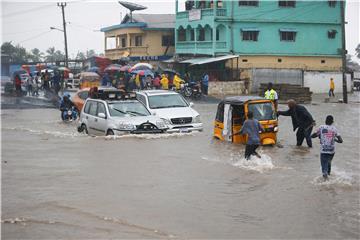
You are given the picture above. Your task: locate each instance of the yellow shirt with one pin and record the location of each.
(177, 82)
(164, 83)
(137, 80)
(332, 85)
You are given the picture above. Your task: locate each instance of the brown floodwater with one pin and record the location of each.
(58, 184)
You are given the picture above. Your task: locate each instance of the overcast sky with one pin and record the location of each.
(28, 22)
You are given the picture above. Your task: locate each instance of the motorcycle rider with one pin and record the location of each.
(177, 82)
(65, 105)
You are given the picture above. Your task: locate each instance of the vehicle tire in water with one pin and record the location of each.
(110, 132)
(83, 128)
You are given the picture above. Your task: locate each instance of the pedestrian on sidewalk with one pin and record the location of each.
(301, 120)
(332, 88)
(35, 85)
(205, 84)
(328, 135)
(252, 128)
(29, 84)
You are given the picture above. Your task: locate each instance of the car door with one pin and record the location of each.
(91, 116)
(100, 123)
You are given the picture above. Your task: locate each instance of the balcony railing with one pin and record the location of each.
(220, 45)
(220, 12)
(133, 50)
(190, 46)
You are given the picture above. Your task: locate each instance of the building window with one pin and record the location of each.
(189, 5)
(110, 42)
(332, 3)
(287, 36)
(219, 4)
(244, 60)
(332, 34)
(123, 42)
(287, 3)
(181, 35)
(192, 35)
(201, 34)
(167, 40)
(138, 41)
(249, 3)
(217, 35)
(250, 35)
(322, 61)
(279, 60)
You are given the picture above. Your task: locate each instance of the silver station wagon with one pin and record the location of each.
(118, 117)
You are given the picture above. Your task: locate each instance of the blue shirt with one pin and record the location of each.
(252, 128)
(206, 80)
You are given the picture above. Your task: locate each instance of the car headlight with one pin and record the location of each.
(160, 124)
(126, 126)
(197, 119)
(166, 121)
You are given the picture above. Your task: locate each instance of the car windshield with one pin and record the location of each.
(120, 109)
(167, 101)
(262, 111)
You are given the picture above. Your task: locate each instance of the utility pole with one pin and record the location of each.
(63, 5)
(343, 51)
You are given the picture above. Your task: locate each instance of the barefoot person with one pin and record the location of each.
(252, 128)
(301, 120)
(328, 135)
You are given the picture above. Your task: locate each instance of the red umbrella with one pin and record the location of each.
(113, 68)
(125, 68)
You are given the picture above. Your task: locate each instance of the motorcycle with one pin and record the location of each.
(186, 90)
(69, 115)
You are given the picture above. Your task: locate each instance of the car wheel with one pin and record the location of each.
(110, 132)
(83, 128)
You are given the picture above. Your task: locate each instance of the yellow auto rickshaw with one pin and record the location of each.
(89, 80)
(232, 112)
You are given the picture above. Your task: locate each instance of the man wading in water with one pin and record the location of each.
(328, 135)
(301, 120)
(252, 128)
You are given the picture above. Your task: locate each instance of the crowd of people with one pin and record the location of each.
(141, 81)
(46, 81)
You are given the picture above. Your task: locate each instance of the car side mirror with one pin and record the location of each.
(101, 115)
(191, 104)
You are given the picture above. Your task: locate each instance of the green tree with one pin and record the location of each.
(17, 53)
(53, 55)
(358, 51)
(36, 55)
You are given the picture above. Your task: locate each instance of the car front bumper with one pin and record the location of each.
(185, 128)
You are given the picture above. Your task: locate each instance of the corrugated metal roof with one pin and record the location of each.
(250, 29)
(145, 21)
(287, 30)
(153, 20)
(199, 61)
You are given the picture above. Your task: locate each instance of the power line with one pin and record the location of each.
(36, 36)
(14, 14)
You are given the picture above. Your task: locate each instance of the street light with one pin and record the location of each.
(54, 28)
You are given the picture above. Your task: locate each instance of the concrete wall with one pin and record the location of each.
(319, 82)
(226, 88)
(289, 62)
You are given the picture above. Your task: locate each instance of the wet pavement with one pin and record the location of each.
(59, 184)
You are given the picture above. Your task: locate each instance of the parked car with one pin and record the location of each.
(170, 106)
(104, 117)
(73, 83)
(80, 96)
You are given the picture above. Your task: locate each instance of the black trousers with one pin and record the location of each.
(304, 133)
(250, 150)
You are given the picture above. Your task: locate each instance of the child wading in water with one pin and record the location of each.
(328, 135)
(251, 127)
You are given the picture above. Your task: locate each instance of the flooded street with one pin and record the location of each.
(59, 184)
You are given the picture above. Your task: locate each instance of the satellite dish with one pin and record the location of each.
(132, 7)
